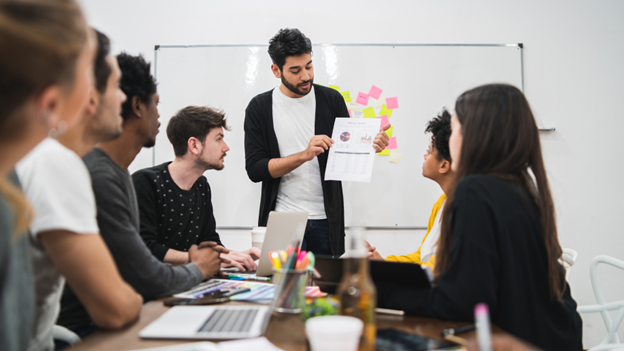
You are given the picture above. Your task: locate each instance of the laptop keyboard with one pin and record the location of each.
(230, 320)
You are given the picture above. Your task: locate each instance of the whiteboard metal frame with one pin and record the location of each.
(518, 45)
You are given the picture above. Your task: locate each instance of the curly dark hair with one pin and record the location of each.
(101, 69)
(440, 128)
(288, 42)
(136, 80)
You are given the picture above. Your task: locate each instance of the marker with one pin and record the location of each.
(274, 256)
(455, 331)
(482, 317)
(236, 278)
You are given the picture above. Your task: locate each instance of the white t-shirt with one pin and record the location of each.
(430, 245)
(58, 186)
(293, 122)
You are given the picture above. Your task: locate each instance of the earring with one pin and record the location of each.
(59, 131)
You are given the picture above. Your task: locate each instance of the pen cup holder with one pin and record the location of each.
(289, 290)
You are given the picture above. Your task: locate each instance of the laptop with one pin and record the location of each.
(209, 322)
(282, 228)
(407, 274)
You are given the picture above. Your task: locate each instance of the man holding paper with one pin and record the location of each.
(285, 129)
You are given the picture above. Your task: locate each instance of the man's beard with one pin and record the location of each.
(295, 89)
(150, 143)
(207, 165)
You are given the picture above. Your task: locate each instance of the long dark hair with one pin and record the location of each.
(501, 139)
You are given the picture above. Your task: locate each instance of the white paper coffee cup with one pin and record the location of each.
(257, 236)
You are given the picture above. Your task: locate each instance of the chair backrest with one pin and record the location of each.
(603, 307)
(567, 260)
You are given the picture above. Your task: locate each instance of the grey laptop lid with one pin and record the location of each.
(282, 228)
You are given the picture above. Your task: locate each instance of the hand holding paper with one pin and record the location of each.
(381, 139)
(318, 144)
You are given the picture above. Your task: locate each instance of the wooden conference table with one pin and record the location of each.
(285, 331)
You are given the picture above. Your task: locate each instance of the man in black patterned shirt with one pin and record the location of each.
(175, 198)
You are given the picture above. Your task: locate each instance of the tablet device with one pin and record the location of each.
(406, 274)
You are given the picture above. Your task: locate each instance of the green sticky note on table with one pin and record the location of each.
(369, 112)
(346, 95)
(385, 152)
(384, 111)
(389, 131)
(337, 88)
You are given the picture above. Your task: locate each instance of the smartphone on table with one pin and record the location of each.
(219, 296)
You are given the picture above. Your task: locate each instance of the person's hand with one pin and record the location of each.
(215, 246)
(238, 259)
(381, 139)
(254, 252)
(372, 252)
(206, 259)
(318, 144)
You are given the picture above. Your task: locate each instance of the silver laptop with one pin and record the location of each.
(209, 322)
(282, 228)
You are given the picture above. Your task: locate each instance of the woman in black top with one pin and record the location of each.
(498, 242)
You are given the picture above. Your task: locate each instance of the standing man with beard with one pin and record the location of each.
(287, 136)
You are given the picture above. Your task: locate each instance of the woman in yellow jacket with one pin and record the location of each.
(437, 167)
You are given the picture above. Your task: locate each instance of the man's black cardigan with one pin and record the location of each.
(261, 146)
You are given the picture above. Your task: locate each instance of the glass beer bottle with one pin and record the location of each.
(356, 292)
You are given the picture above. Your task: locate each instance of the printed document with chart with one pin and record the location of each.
(352, 155)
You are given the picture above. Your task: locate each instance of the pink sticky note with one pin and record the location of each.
(350, 114)
(374, 92)
(392, 144)
(384, 120)
(392, 103)
(362, 99)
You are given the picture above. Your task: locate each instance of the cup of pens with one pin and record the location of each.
(291, 270)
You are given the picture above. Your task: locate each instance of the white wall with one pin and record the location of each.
(574, 77)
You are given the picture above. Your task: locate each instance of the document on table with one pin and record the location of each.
(352, 155)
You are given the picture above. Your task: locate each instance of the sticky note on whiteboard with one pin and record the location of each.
(346, 95)
(362, 99)
(369, 112)
(392, 143)
(395, 156)
(381, 101)
(374, 92)
(385, 152)
(384, 120)
(356, 114)
(389, 131)
(337, 88)
(392, 103)
(384, 111)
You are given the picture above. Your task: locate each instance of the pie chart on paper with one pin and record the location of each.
(345, 136)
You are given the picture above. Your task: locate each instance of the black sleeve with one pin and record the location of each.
(136, 264)
(146, 199)
(210, 225)
(256, 148)
(472, 274)
(341, 107)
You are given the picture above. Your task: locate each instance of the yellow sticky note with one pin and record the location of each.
(385, 152)
(384, 111)
(346, 95)
(389, 131)
(334, 87)
(369, 112)
(395, 156)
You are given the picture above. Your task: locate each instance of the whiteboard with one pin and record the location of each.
(424, 78)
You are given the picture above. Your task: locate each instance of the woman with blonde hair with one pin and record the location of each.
(498, 242)
(46, 60)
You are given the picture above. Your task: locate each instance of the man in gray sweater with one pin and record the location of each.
(117, 209)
